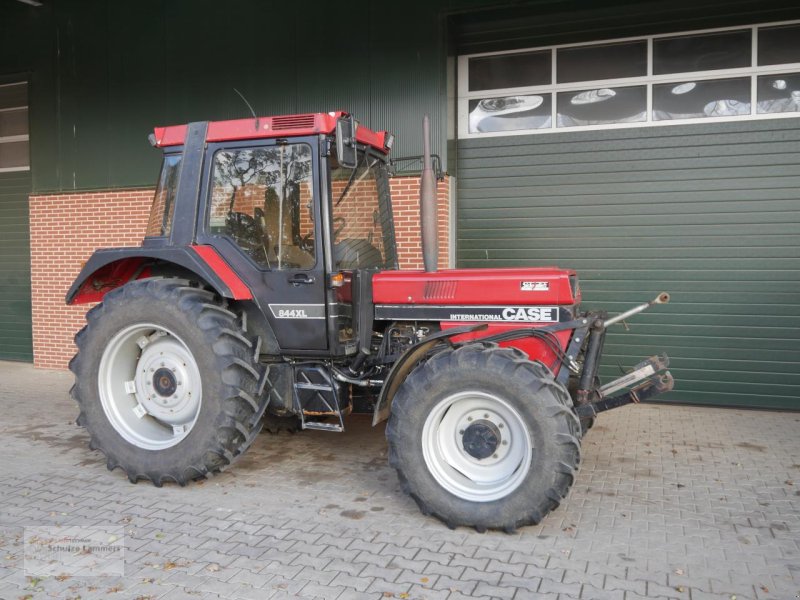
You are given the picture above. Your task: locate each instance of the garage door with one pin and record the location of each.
(665, 162)
(710, 213)
(15, 185)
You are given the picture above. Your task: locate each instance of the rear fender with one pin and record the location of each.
(111, 268)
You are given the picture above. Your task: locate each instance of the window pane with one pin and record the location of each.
(510, 70)
(14, 122)
(602, 106)
(13, 94)
(705, 52)
(608, 61)
(778, 45)
(262, 198)
(163, 207)
(14, 155)
(363, 236)
(510, 113)
(698, 99)
(779, 93)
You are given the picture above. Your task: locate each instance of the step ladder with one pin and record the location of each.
(314, 386)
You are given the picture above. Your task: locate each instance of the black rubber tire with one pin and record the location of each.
(232, 408)
(544, 406)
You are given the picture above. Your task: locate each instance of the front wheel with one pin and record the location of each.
(483, 437)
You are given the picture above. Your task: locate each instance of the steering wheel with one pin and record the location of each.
(306, 243)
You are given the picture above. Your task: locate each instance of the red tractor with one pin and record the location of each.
(267, 290)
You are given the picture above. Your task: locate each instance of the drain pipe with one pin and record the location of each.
(427, 203)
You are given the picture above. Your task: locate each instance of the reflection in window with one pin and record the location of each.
(14, 152)
(363, 234)
(13, 121)
(779, 93)
(15, 155)
(262, 198)
(510, 113)
(605, 61)
(602, 106)
(778, 45)
(163, 207)
(14, 94)
(705, 52)
(699, 99)
(509, 70)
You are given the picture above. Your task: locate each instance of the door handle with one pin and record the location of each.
(301, 278)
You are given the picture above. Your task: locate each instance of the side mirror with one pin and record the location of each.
(346, 148)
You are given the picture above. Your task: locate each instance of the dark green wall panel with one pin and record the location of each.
(137, 89)
(529, 24)
(104, 73)
(709, 212)
(15, 268)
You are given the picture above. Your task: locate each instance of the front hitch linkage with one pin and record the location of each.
(644, 379)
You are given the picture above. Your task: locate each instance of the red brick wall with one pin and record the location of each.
(67, 228)
(405, 205)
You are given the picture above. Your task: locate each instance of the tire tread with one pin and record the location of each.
(239, 423)
(537, 377)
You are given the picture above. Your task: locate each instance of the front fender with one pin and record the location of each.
(111, 268)
(406, 363)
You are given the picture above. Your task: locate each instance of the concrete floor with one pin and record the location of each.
(670, 502)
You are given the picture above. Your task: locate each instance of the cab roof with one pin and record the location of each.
(271, 127)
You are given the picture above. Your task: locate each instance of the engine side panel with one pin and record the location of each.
(525, 287)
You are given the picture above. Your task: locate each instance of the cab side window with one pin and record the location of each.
(262, 198)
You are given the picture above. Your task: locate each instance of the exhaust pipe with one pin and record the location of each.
(427, 203)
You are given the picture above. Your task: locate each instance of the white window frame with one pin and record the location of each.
(10, 139)
(753, 71)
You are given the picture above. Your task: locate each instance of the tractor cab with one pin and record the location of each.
(293, 205)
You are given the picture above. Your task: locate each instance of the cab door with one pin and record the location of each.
(262, 214)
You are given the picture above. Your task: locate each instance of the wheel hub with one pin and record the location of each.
(164, 382)
(150, 386)
(481, 439)
(477, 446)
(484, 434)
(164, 386)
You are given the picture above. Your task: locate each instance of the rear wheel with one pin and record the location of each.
(483, 437)
(167, 381)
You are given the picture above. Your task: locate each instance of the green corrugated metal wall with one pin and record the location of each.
(106, 73)
(15, 271)
(710, 213)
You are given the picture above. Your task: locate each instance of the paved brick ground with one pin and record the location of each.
(670, 502)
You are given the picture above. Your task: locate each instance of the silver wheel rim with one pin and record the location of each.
(150, 386)
(458, 471)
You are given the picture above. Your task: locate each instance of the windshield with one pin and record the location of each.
(363, 230)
